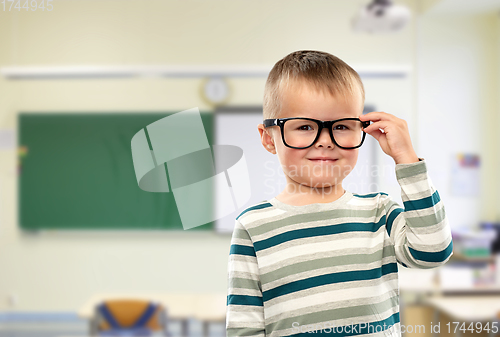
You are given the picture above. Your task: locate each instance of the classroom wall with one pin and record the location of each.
(495, 136)
(496, 140)
(58, 271)
(458, 106)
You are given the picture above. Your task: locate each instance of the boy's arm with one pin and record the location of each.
(245, 309)
(420, 231)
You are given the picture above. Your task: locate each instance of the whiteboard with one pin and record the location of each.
(238, 126)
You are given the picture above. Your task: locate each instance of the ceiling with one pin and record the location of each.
(464, 6)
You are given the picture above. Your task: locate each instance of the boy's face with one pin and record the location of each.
(297, 164)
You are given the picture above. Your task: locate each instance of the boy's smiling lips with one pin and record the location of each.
(323, 159)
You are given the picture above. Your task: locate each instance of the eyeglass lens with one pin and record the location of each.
(302, 132)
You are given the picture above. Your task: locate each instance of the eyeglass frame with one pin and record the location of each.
(321, 124)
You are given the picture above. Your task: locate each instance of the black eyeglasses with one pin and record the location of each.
(302, 132)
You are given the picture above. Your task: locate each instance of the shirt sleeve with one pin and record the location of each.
(420, 231)
(245, 309)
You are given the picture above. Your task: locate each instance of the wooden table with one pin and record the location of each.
(467, 308)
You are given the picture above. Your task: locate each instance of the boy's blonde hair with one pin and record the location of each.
(323, 71)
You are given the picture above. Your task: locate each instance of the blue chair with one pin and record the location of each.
(129, 318)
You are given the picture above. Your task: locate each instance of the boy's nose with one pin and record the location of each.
(324, 139)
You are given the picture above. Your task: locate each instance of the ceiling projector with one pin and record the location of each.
(381, 16)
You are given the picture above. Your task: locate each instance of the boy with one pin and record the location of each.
(317, 258)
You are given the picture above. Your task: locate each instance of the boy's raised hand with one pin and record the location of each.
(395, 140)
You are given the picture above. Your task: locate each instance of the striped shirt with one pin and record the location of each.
(332, 268)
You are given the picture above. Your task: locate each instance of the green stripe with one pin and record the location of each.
(406, 172)
(305, 266)
(392, 216)
(318, 231)
(410, 260)
(240, 234)
(371, 195)
(433, 229)
(244, 300)
(432, 256)
(427, 220)
(281, 224)
(242, 250)
(261, 206)
(330, 315)
(354, 329)
(316, 281)
(245, 332)
(243, 283)
(413, 205)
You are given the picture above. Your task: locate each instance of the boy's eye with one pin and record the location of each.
(340, 127)
(305, 128)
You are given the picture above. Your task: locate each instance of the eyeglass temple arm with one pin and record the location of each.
(270, 122)
(366, 123)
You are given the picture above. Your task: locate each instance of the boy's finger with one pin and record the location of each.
(375, 126)
(378, 115)
(376, 134)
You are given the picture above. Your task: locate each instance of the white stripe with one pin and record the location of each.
(243, 267)
(242, 242)
(377, 316)
(356, 201)
(316, 224)
(435, 238)
(262, 214)
(319, 247)
(235, 316)
(417, 187)
(244, 291)
(323, 298)
(432, 239)
(401, 220)
(328, 270)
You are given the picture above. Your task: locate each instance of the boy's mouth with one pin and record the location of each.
(325, 160)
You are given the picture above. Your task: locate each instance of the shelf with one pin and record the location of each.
(460, 257)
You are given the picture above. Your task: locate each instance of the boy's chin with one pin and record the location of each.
(321, 184)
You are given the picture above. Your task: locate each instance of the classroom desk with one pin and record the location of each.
(467, 308)
(206, 307)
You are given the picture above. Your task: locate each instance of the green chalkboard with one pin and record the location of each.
(76, 172)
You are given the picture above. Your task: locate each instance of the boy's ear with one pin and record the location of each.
(266, 139)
